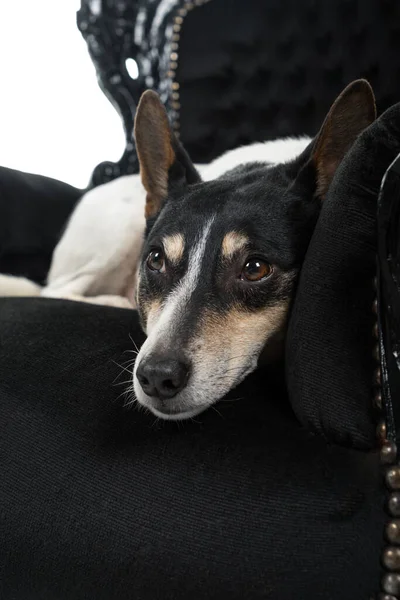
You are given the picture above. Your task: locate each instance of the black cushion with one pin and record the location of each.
(33, 213)
(98, 500)
(330, 362)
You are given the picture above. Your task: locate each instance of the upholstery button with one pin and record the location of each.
(391, 559)
(393, 478)
(391, 583)
(388, 453)
(394, 504)
(381, 431)
(378, 400)
(393, 532)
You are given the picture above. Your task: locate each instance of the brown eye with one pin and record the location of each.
(156, 261)
(255, 269)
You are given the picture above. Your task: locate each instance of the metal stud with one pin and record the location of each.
(377, 376)
(375, 331)
(386, 597)
(173, 66)
(178, 20)
(393, 531)
(388, 453)
(394, 504)
(391, 583)
(176, 28)
(393, 478)
(375, 306)
(171, 74)
(391, 558)
(174, 56)
(182, 12)
(175, 95)
(378, 400)
(381, 431)
(174, 46)
(176, 37)
(176, 105)
(175, 85)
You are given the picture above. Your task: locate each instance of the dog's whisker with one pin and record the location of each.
(128, 392)
(122, 367)
(129, 362)
(231, 399)
(195, 421)
(134, 343)
(217, 411)
(135, 352)
(131, 399)
(123, 382)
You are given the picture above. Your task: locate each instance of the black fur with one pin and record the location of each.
(275, 206)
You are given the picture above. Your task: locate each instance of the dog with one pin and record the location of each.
(223, 245)
(221, 258)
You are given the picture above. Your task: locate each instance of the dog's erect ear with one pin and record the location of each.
(162, 158)
(350, 114)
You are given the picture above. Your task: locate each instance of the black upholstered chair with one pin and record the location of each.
(293, 492)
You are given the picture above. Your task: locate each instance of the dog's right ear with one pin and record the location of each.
(163, 160)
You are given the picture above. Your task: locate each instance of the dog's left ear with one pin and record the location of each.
(352, 112)
(163, 160)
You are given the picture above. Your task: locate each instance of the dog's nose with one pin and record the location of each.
(162, 378)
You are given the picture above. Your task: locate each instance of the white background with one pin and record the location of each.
(54, 119)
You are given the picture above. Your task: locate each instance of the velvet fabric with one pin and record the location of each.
(101, 500)
(33, 212)
(271, 69)
(330, 347)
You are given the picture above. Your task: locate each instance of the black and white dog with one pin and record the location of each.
(223, 248)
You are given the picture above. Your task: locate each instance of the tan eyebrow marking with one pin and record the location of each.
(174, 246)
(232, 242)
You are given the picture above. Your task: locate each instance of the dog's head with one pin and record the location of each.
(221, 258)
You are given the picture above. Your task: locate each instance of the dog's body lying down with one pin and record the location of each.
(223, 246)
(97, 257)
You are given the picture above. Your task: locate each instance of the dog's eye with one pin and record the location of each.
(255, 269)
(156, 261)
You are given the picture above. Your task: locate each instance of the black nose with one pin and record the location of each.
(162, 378)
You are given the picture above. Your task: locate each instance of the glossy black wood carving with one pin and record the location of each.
(388, 224)
(108, 28)
(119, 30)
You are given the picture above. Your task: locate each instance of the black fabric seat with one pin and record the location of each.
(100, 501)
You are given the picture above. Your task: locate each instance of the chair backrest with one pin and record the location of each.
(233, 72)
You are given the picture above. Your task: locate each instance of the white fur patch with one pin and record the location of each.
(178, 299)
(275, 152)
(162, 329)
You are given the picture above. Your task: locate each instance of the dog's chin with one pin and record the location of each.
(169, 414)
(178, 416)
